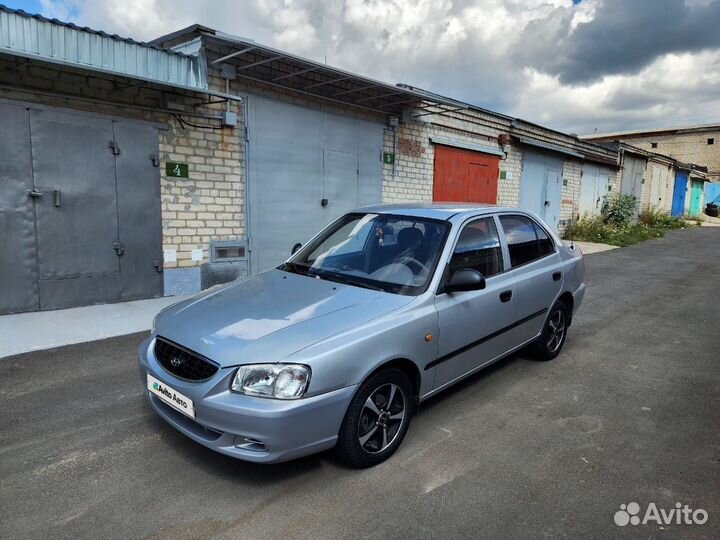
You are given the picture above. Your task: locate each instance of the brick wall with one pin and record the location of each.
(687, 147)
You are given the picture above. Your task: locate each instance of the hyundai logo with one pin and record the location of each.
(176, 362)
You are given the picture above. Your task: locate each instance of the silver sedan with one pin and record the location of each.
(338, 346)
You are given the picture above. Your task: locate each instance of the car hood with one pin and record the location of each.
(270, 316)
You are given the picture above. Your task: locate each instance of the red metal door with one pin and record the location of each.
(464, 176)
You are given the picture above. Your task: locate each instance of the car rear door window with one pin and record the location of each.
(478, 248)
(526, 240)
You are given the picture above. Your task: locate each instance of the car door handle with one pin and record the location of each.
(557, 276)
(506, 296)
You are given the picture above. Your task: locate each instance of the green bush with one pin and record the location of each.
(653, 217)
(598, 230)
(618, 208)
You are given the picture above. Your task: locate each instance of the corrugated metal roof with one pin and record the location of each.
(37, 37)
(263, 64)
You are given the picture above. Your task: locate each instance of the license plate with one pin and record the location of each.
(171, 396)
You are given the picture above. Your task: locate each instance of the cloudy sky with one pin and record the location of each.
(577, 66)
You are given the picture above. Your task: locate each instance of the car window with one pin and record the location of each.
(478, 247)
(526, 240)
(545, 243)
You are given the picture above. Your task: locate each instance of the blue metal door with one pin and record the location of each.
(678, 202)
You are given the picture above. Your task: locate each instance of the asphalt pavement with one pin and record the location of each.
(629, 412)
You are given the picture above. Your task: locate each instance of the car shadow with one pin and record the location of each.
(523, 355)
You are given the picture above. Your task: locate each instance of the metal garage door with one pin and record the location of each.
(632, 178)
(679, 193)
(541, 186)
(593, 189)
(658, 185)
(462, 175)
(306, 168)
(87, 224)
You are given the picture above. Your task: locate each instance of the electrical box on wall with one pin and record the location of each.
(229, 119)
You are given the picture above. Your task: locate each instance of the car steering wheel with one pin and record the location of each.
(412, 260)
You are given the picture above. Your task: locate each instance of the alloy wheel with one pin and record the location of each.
(556, 330)
(381, 418)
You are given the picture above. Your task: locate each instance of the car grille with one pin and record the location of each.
(183, 363)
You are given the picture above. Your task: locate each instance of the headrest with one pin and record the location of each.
(409, 236)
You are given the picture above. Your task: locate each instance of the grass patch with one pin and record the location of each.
(651, 224)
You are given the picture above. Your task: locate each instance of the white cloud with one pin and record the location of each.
(494, 53)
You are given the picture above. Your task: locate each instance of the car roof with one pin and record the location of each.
(444, 211)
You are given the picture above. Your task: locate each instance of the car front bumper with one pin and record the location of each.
(250, 428)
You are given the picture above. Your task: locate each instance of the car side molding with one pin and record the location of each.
(482, 340)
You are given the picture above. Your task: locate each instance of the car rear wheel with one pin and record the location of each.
(554, 333)
(376, 420)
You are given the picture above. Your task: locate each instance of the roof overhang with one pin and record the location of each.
(548, 147)
(48, 40)
(445, 141)
(265, 65)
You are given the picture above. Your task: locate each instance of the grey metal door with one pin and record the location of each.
(77, 220)
(541, 186)
(306, 168)
(18, 259)
(139, 212)
(79, 209)
(285, 185)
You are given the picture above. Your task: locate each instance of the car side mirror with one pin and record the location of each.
(295, 248)
(465, 279)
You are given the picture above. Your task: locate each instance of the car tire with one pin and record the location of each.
(554, 333)
(372, 430)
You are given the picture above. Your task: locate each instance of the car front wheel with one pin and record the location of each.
(554, 333)
(376, 420)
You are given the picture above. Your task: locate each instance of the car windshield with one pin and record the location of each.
(395, 254)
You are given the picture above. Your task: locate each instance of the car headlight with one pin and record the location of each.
(280, 381)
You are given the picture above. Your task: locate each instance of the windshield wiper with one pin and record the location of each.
(341, 278)
(295, 268)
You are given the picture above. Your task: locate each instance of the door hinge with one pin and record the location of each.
(35, 193)
(158, 265)
(119, 248)
(155, 160)
(114, 147)
(247, 134)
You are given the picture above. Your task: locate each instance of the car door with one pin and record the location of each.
(473, 324)
(536, 269)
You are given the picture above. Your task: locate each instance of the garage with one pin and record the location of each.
(306, 168)
(465, 175)
(593, 189)
(541, 186)
(79, 209)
